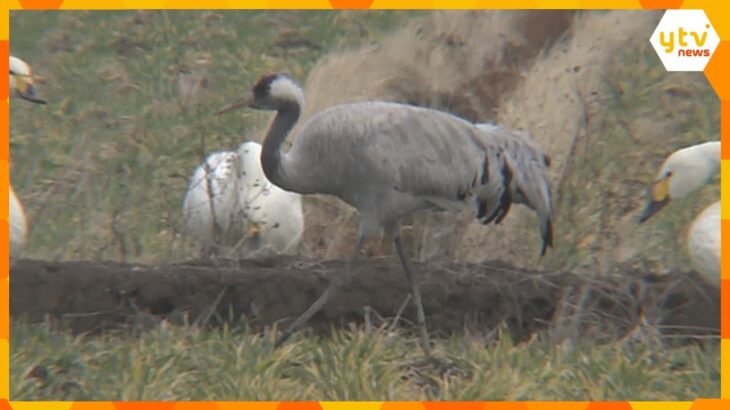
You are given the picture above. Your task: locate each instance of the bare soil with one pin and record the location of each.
(475, 298)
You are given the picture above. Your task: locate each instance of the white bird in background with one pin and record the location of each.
(389, 160)
(210, 207)
(245, 205)
(683, 172)
(18, 224)
(21, 85)
(276, 214)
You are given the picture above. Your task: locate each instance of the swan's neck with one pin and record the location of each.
(273, 162)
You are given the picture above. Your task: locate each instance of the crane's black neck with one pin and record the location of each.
(271, 156)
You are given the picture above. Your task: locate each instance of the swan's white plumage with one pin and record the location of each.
(244, 203)
(276, 212)
(20, 68)
(18, 224)
(212, 201)
(703, 242)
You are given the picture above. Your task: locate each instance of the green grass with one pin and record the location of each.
(187, 363)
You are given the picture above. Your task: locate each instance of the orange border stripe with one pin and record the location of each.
(351, 4)
(41, 4)
(716, 70)
(725, 291)
(660, 4)
(144, 405)
(4, 50)
(725, 129)
(299, 405)
(609, 405)
(716, 73)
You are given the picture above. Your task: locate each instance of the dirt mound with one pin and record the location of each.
(458, 61)
(88, 296)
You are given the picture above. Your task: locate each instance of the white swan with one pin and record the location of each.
(684, 171)
(245, 206)
(21, 85)
(276, 214)
(18, 224)
(210, 216)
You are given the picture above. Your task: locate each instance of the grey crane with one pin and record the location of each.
(389, 160)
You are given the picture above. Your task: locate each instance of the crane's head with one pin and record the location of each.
(682, 172)
(21, 81)
(272, 92)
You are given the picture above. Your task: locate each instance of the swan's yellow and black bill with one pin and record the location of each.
(658, 198)
(27, 90)
(246, 101)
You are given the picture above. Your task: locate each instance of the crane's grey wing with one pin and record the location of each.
(390, 147)
(447, 160)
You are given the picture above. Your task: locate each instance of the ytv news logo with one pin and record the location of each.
(685, 40)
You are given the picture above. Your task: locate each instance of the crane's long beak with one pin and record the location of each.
(658, 198)
(246, 101)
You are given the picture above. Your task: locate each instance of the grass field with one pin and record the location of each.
(102, 170)
(187, 363)
(132, 97)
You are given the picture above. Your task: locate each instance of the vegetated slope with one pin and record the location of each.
(103, 168)
(590, 90)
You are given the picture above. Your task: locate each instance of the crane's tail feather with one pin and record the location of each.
(547, 236)
(523, 180)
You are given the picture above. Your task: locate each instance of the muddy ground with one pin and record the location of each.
(97, 296)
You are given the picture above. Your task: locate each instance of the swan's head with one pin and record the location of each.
(21, 81)
(271, 92)
(682, 172)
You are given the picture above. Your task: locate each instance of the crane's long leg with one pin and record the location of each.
(415, 290)
(318, 304)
